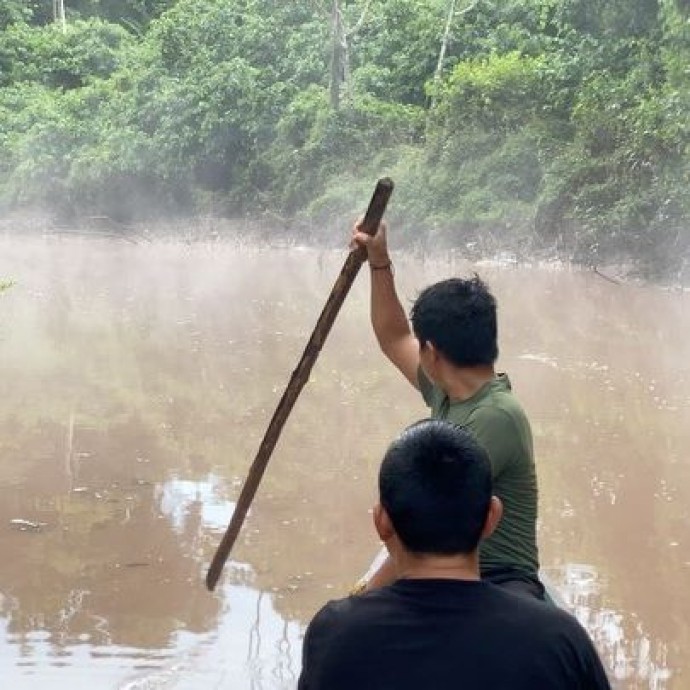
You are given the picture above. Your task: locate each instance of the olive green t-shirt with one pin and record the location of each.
(496, 419)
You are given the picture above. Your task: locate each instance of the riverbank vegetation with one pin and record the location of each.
(538, 127)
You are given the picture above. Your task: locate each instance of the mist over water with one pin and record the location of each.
(137, 380)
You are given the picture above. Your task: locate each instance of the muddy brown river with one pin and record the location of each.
(137, 380)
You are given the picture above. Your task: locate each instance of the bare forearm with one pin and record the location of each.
(388, 317)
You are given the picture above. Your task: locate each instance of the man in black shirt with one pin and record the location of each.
(438, 626)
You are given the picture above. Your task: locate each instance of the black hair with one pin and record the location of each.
(458, 316)
(435, 484)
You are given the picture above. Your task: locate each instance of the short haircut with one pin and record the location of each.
(458, 316)
(435, 484)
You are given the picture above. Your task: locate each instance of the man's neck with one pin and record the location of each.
(426, 567)
(461, 383)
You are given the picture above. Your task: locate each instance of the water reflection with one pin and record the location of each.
(253, 648)
(136, 382)
(248, 645)
(182, 499)
(633, 657)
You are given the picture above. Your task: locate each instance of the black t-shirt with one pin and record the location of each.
(447, 634)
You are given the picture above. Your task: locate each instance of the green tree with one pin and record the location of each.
(13, 12)
(87, 50)
(534, 125)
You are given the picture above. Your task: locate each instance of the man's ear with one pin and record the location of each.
(382, 523)
(493, 517)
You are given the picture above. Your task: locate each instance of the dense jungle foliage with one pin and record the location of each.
(541, 127)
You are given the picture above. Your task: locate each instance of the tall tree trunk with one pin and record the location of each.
(444, 41)
(338, 55)
(438, 73)
(59, 13)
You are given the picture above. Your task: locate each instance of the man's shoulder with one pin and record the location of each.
(521, 617)
(546, 618)
(349, 611)
(498, 407)
(500, 395)
(334, 610)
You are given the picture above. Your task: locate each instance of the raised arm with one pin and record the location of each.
(388, 318)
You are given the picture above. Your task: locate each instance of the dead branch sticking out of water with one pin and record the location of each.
(615, 281)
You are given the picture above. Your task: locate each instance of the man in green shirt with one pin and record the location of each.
(447, 351)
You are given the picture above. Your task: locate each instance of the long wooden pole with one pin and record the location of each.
(300, 376)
